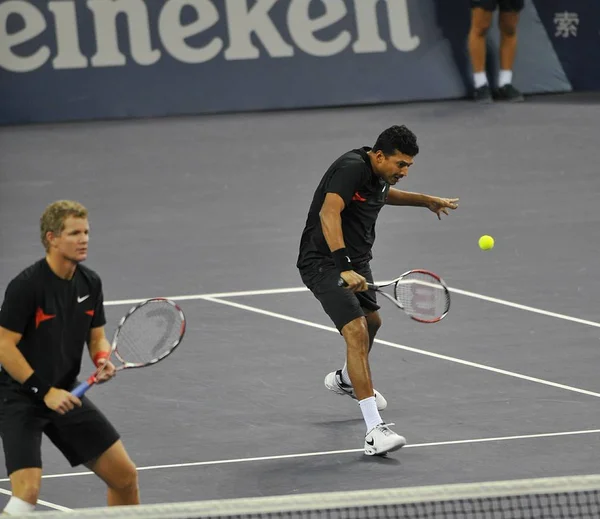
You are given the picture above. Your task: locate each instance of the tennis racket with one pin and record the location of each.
(148, 333)
(423, 295)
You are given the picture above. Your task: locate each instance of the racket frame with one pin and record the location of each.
(393, 299)
(93, 379)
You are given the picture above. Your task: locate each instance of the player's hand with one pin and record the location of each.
(61, 401)
(354, 281)
(107, 373)
(441, 205)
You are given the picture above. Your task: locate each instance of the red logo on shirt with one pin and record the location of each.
(40, 317)
(358, 198)
(90, 313)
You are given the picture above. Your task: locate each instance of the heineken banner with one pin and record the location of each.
(91, 59)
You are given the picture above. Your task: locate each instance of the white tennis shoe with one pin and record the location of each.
(381, 439)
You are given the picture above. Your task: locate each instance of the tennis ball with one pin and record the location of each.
(486, 242)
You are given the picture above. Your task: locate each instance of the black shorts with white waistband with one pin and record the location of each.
(339, 303)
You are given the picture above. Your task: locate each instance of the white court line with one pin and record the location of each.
(408, 348)
(219, 294)
(304, 289)
(39, 501)
(329, 453)
(523, 307)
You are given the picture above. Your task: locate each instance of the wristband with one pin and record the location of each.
(100, 355)
(342, 260)
(36, 386)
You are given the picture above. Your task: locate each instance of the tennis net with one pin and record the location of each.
(573, 497)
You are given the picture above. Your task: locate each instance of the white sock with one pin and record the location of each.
(505, 78)
(480, 79)
(17, 506)
(345, 376)
(368, 406)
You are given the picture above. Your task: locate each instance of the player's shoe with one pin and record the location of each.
(334, 382)
(508, 93)
(381, 439)
(483, 94)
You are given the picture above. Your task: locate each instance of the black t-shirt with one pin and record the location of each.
(364, 194)
(54, 317)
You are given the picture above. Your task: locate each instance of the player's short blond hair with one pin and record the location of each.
(53, 219)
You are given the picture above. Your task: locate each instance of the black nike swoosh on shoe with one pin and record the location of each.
(343, 385)
(371, 443)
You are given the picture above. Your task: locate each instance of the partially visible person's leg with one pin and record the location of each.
(508, 21)
(481, 19)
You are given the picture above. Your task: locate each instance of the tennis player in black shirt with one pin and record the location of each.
(49, 311)
(337, 242)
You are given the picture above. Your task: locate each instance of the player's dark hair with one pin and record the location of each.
(397, 138)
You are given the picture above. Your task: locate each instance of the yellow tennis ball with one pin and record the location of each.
(486, 242)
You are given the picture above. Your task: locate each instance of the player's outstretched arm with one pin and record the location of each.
(433, 203)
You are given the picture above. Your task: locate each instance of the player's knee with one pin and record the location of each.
(481, 21)
(356, 327)
(356, 333)
(126, 480)
(480, 25)
(508, 29)
(373, 323)
(480, 30)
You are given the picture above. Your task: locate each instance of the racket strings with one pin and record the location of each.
(149, 333)
(422, 296)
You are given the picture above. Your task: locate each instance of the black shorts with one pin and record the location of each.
(81, 435)
(504, 5)
(340, 304)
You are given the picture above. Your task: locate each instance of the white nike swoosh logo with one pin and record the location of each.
(82, 299)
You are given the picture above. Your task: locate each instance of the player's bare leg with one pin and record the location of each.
(119, 473)
(380, 439)
(356, 335)
(340, 382)
(373, 325)
(25, 486)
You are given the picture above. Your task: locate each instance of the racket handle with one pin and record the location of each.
(80, 390)
(342, 283)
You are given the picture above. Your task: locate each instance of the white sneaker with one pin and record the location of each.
(381, 440)
(334, 382)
